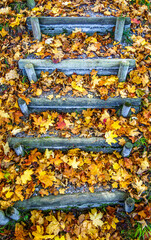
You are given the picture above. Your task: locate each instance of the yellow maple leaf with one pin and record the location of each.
(110, 137)
(3, 32)
(59, 238)
(4, 114)
(145, 164)
(47, 178)
(47, 123)
(38, 234)
(73, 162)
(115, 185)
(26, 176)
(53, 228)
(95, 217)
(114, 221)
(76, 87)
(16, 130)
(50, 97)
(110, 80)
(48, 153)
(16, 22)
(9, 194)
(38, 92)
(116, 166)
(116, 125)
(138, 184)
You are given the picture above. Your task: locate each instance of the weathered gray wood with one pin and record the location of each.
(127, 149)
(23, 106)
(31, 4)
(90, 25)
(87, 144)
(77, 200)
(129, 204)
(126, 109)
(119, 28)
(30, 71)
(18, 149)
(3, 219)
(73, 104)
(79, 66)
(123, 71)
(12, 213)
(36, 28)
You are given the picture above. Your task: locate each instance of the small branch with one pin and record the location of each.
(123, 70)
(19, 149)
(29, 68)
(31, 4)
(23, 106)
(119, 28)
(36, 28)
(127, 149)
(126, 109)
(129, 204)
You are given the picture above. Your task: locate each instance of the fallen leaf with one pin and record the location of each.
(26, 176)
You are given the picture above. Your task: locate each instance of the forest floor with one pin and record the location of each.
(57, 172)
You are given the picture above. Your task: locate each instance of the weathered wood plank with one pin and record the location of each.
(127, 149)
(76, 200)
(90, 25)
(73, 104)
(36, 28)
(30, 71)
(86, 144)
(123, 70)
(119, 28)
(79, 66)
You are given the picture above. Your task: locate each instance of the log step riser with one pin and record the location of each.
(64, 144)
(77, 200)
(121, 67)
(59, 25)
(73, 104)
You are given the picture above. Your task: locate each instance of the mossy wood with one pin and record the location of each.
(31, 4)
(79, 66)
(73, 104)
(102, 25)
(87, 144)
(76, 200)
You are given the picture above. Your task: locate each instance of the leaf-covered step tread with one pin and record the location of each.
(121, 67)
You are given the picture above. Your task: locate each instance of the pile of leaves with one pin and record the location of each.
(55, 172)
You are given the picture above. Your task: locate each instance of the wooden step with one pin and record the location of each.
(76, 200)
(121, 67)
(59, 25)
(96, 144)
(73, 104)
